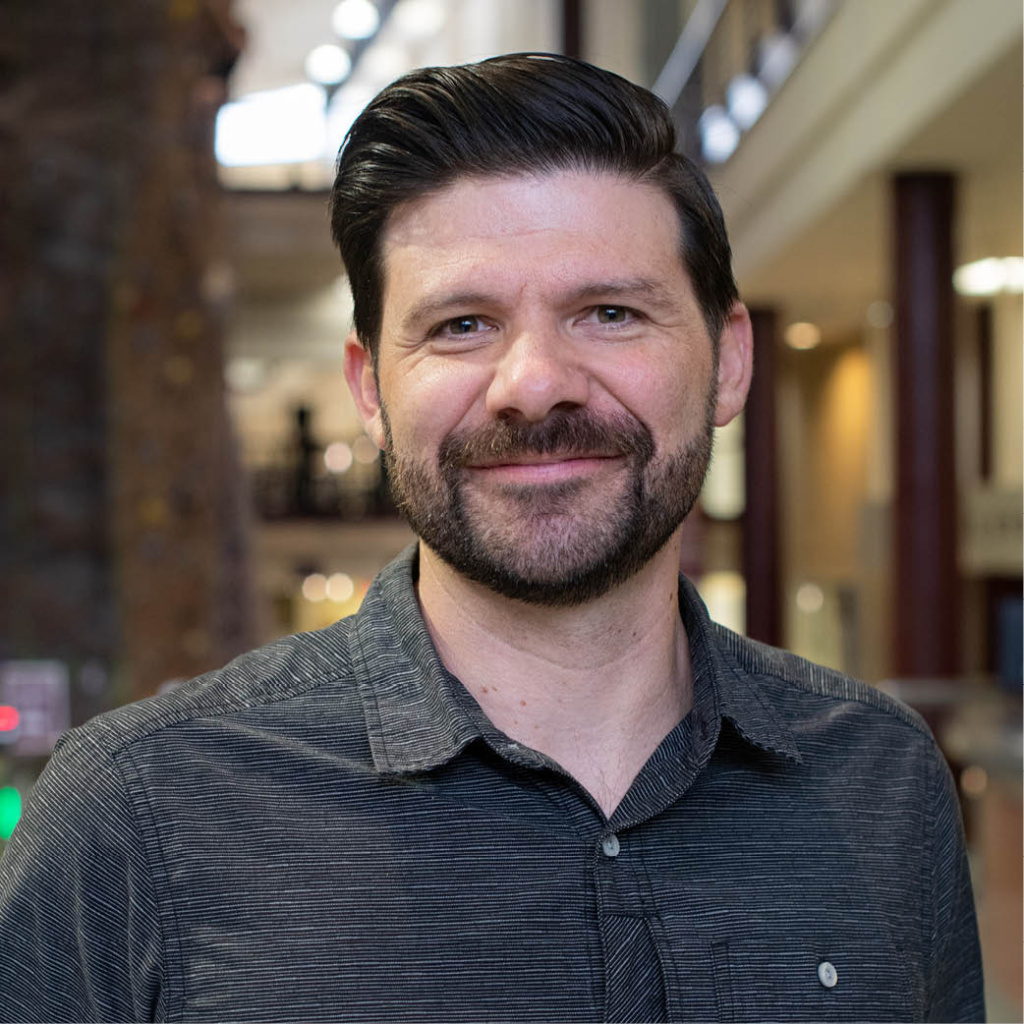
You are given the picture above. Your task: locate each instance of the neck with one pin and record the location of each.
(596, 687)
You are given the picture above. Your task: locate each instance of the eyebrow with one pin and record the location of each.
(432, 307)
(649, 289)
(469, 300)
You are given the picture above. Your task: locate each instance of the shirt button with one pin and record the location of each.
(610, 845)
(827, 974)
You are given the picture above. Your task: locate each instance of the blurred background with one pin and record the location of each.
(184, 474)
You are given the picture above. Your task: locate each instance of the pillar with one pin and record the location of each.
(572, 28)
(761, 561)
(122, 551)
(925, 615)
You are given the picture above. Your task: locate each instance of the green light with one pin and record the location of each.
(10, 810)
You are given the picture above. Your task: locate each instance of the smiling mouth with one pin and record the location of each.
(548, 468)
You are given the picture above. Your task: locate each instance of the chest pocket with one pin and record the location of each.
(858, 977)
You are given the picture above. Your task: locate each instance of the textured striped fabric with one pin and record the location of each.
(330, 829)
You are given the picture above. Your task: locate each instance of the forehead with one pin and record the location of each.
(531, 229)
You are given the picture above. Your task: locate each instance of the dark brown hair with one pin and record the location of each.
(517, 114)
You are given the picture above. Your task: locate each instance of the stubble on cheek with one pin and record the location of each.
(557, 544)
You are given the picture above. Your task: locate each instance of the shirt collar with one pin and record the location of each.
(416, 715)
(414, 718)
(716, 673)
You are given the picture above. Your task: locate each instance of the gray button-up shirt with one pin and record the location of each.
(329, 828)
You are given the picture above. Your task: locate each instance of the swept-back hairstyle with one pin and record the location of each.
(517, 114)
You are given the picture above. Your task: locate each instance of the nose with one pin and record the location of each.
(537, 371)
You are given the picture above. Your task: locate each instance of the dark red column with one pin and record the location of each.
(572, 28)
(761, 563)
(925, 620)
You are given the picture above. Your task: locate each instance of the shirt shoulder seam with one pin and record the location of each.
(116, 738)
(224, 708)
(117, 759)
(792, 670)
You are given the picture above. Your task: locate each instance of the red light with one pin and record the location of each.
(9, 718)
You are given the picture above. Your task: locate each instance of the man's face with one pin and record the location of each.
(547, 389)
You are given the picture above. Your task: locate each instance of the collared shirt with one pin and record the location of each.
(329, 828)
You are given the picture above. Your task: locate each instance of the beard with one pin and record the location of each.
(558, 544)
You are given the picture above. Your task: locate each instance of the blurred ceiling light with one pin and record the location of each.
(810, 598)
(990, 276)
(364, 450)
(811, 16)
(328, 64)
(280, 126)
(382, 63)
(244, 374)
(746, 98)
(418, 19)
(355, 19)
(340, 587)
(802, 335)
(338, 457)
(1013, 266)
(314, 587)
(719, 135)
(778, 54)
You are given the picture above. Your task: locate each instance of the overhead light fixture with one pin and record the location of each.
(719, 135)
(314, 587)
(338, 457)
(328, 64)
(778, 55)
(810, 598)
(990, 276)
(340, 586)
(802, 335)
(418, 19)
(245, 374)
(355, 19)
(746, 98)
(279, 126)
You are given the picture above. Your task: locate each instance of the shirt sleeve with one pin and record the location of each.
(79, 927)
(956, 989)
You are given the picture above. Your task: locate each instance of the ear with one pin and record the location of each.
(363, 384)
(735, 364)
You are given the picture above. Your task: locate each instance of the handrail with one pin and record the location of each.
(687, 52)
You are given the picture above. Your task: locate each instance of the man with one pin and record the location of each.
(530, 780)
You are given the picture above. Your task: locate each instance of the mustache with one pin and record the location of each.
(573, 433)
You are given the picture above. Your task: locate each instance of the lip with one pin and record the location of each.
(544, 468)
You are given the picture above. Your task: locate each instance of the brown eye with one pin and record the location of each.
(612, 314)
(463, 325)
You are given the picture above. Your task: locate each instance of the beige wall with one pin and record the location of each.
(612, 38)
(825, 447)
(1007, 374)
(827, 415)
